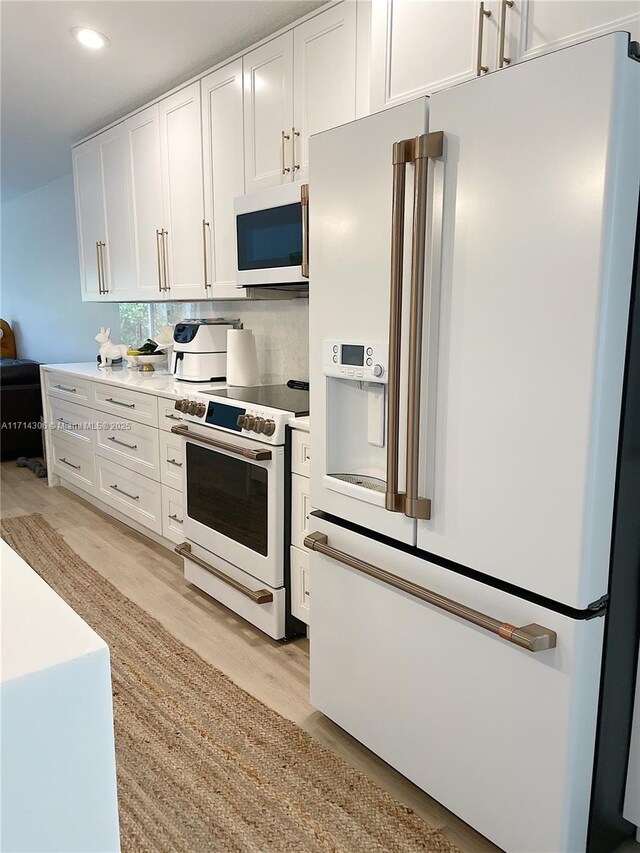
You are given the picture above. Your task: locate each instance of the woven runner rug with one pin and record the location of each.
(203, 765)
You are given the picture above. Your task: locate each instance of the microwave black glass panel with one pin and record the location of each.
(268, 239)
(228, 495)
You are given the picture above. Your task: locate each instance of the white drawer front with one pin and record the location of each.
(167, 415)
(68, 387)
(300, 453)
(171, 462)
(134, 405)
(172, 515)
(73, 422)
(74, 462)
(300, 509)
(128, 443)
(131, 494)
(300, 584)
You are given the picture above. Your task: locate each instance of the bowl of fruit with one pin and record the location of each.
(148, 356)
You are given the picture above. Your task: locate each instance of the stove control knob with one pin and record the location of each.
(178, 405)
(193, 408)
(259, 427)
(184, 406)
(240, 421)
(200, 409)
(269, 427)
(249, 421)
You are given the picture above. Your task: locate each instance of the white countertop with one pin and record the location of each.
(161, 383)
(39, 629)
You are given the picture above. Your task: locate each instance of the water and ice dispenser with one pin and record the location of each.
(356, 376)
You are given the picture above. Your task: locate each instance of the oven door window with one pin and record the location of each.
(268, 239)
(228, 495)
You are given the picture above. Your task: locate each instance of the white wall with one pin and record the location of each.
(40, 287)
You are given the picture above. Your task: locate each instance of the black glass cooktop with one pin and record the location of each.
(272, 396)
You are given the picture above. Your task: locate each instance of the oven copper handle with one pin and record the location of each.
(247, 452)
(533, 638)
(258, 596)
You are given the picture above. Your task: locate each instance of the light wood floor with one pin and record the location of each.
(276, 674)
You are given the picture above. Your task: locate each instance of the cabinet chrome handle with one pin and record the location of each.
(283, 140)
(304, 202)
(175, 462)
(175, 518)
(67, 424)
(258, 596)
(205, 225)
(502, 59)
(120, 403)
(483, 13)
(123, 443)
(102, 287)
(102, 246)
(165, 251)
(294, 133)
(122, 492)
(67, 388)
(173, 417)
(158, 239)
(533, 638)
(70, 464)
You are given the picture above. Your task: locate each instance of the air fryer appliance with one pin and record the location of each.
(200, 349)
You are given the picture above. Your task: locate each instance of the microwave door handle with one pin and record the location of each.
(247, 452)
(304, 205)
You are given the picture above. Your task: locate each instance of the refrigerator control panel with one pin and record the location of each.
(364, 362)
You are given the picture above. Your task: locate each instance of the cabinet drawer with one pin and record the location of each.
(167, 415)
(73, 422)
(130, 444)
(171, 462)
(172, 514)
(68, 387)
(74, 462)
(130, 493)
(300, 453)
(300, 509)
(131, 404)
(300, 584)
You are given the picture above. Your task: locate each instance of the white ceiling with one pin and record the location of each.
(54, 91)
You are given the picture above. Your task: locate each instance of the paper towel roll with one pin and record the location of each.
(242, 360)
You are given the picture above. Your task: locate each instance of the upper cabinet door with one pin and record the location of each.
(324, 72)
(268, 113)
(182, 187)
(143, 131)
(537, 26)
(223, 148)
(421, 46)
(90, 220)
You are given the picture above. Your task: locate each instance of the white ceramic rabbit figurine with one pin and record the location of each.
(109, 351)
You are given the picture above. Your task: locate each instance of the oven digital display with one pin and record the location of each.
(221, 415)
(352, 354)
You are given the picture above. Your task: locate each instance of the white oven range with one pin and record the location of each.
(236, 489)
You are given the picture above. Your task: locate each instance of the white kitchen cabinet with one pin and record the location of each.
(420, 46)
(143, 131)
(268, 113)
(324, 77)
(223, 149)
(533, 27)
(182, 191)
(103, 215)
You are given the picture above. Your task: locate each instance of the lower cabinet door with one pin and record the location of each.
(171, 461)
(130, 493)
(73, 462)
(300, 584)
(500, 735)
(172, 515)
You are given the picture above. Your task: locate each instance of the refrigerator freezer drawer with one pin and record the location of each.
(501, 736)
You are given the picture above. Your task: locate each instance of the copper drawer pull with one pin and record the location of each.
(247, 452)
(259, 596)
(533, 638)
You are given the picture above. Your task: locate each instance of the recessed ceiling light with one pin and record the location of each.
(90, 38)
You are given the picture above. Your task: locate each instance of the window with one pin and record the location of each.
(142, 320)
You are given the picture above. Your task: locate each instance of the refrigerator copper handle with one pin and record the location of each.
(502, 59)
(158, 239)
(258, 596)
(247, 452)
(533, 637)
(483, 13)
(205, 225)
(304, 202)
(428, 146)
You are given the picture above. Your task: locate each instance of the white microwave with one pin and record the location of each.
(272, 237)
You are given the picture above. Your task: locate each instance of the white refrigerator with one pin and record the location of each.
(472, 265)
